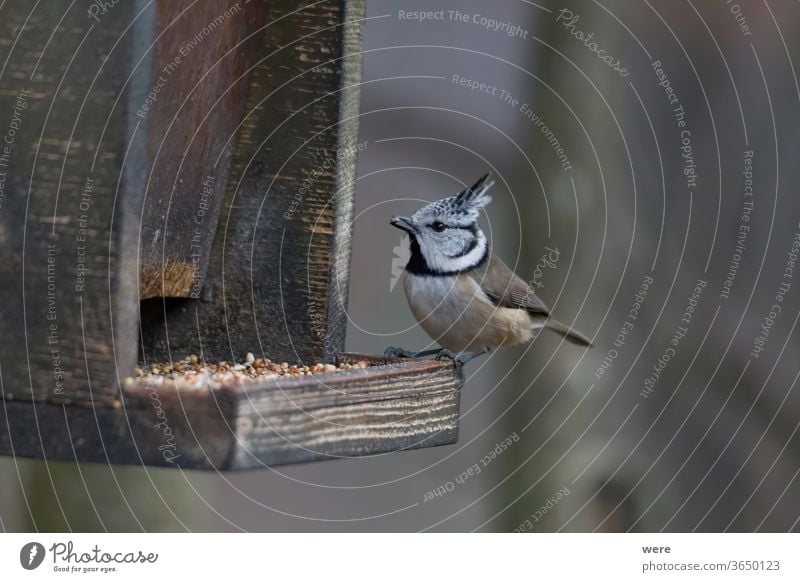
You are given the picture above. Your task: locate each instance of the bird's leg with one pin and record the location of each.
(461, 358)
(394, 352)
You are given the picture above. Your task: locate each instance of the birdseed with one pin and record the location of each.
(191, 372)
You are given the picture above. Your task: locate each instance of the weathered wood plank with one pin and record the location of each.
(276, 283)
(403, 405)
(198, 78)
(67, 299)
(353, 413)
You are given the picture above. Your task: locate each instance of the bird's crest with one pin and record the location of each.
(465, 205)
(476, 195)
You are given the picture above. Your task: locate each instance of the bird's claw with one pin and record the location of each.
(395, 352)
(446, 354)
(460, 358)
(440, 354)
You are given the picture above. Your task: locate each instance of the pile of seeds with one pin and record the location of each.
(194, 373)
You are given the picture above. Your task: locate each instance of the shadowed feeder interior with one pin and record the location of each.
(198, 132)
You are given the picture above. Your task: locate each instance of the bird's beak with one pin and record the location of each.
(404, 223)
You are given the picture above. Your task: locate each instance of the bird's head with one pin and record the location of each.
(445, 236)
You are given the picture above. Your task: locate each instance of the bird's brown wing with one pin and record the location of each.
(505, 288)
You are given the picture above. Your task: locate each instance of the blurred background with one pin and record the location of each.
(645, 158)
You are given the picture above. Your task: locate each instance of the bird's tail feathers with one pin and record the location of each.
(568, 333)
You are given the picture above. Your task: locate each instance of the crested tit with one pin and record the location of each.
(462, 294)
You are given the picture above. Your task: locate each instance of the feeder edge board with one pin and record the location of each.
(400, 406)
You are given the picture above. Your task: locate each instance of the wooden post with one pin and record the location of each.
(68, 286)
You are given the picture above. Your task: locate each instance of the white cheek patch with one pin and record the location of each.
(438, 262)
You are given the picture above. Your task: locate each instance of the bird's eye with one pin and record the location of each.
(438, 226)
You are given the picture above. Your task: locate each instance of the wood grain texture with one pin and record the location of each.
(385, 408)
(276, 283)
(67, 297)
(197, 77)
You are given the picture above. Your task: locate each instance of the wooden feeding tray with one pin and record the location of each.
(181, 182)
(245, 425)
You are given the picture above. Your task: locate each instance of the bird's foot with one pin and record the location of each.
(446, 354)
(460, 358)
(394, 352)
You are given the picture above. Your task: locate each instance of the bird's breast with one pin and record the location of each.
(455, 312)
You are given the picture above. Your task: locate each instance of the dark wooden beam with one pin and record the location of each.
(197, 75)
(277, 279)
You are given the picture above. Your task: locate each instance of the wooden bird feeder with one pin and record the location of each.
(179, 180)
